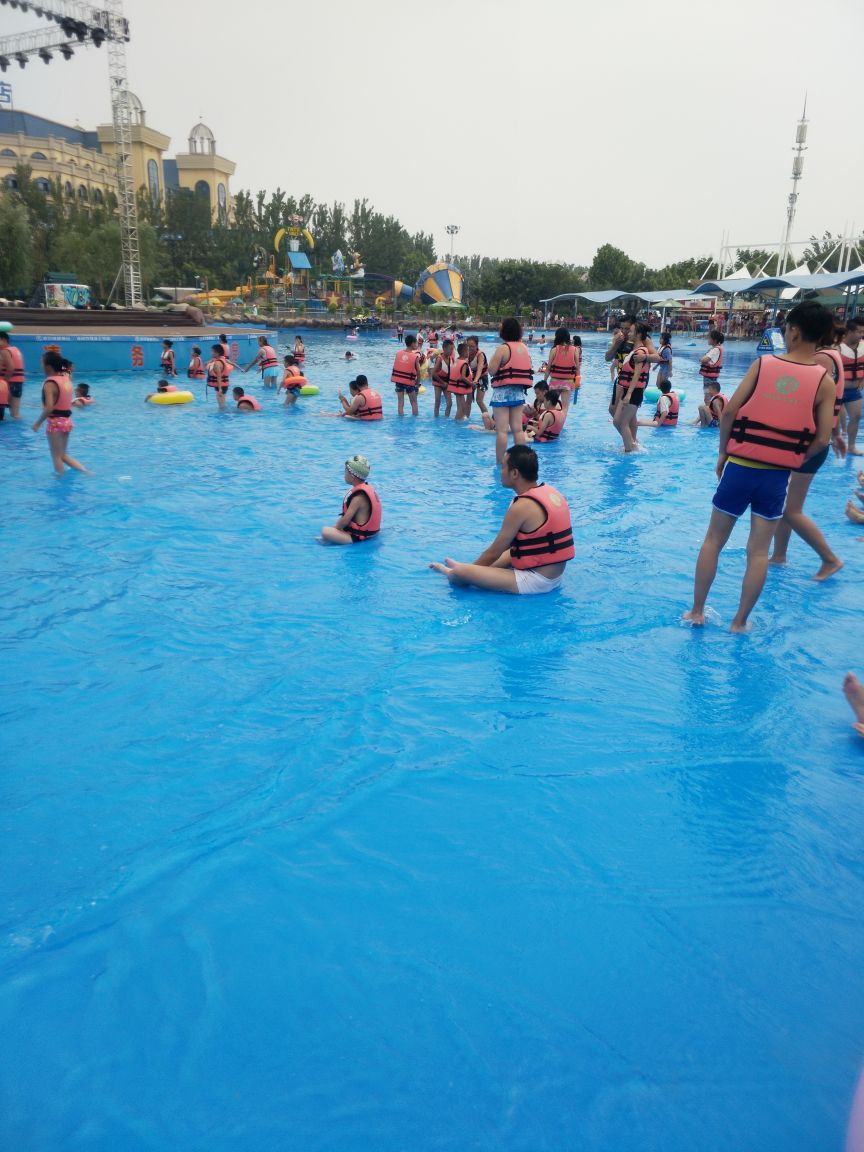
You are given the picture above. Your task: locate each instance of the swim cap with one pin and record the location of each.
(358, 466)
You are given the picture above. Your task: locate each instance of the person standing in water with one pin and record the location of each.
(360, 518)
(711, 364)
(478, 367)
(632, 382)
(57, 400)
(12, 371)
(268, 360)
(218, 371)
(440, 372)
(406, 375)
(802, 477)
(535, 542)
(563, 366)
(852, 352)
(780, 416)
(512, 375)
(299, 349)
(167, 364)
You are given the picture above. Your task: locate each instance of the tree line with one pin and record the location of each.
(41, 233)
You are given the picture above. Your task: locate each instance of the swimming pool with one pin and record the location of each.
(303, 848)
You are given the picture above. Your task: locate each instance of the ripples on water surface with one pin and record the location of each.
(303, 848)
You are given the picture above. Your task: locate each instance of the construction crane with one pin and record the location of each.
(77, 26)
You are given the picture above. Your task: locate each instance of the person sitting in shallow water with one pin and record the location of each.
(360, 518)
(534, 543)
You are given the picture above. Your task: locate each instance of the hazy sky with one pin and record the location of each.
(543, 129)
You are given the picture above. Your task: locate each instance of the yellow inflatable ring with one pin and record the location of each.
(421, 389)
(309, 390)
(170, 397)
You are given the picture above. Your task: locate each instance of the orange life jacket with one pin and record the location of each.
(405, 368)
(195, 371)
(167, 388)
(853, 365)
(712, 371)
(167, 360)
(839, 374)
(777, 424)
(554, 429)
(552, 542)
(441, 376)
(671, 417)
(250, 400)
(518, 369)
(65, 395)
(372, 408)
(459, 384)
(373, 524)
(269, 359)
(4, 393)
(16, 374)
(562, 363)
(212, 379)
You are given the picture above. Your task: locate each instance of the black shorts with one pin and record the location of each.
(223, 388)
(636, 396)
(409, 388)
(16, 390)
(811, 466)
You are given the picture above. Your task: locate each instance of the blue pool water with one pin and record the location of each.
(303, 848)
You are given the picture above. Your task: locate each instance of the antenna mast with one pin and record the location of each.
(797, 172)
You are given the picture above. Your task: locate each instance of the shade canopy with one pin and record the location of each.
(299, 261)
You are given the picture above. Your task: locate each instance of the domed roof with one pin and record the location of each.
(201, 139)
(136, 108)
(201, 132)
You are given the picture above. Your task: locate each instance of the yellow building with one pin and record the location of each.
(83, 161)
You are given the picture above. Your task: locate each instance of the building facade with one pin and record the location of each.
(83, 161)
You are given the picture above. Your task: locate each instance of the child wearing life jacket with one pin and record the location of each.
(551, 421)
(531, 413)
(245, 402)
(441, 378)
(82, 396)
(365, 402)
(712, 407)
(161, 386)
(292, 381)
(360, 518)
(668, 407)
(712, 362)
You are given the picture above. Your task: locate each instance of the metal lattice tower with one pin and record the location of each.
(80, 25)
(797, 173)
(121, 112)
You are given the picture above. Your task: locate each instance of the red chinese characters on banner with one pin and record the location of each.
(137, 356)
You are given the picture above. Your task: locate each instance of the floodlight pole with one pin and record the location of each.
(797, 173)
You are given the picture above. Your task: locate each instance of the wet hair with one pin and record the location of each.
(461, 349)
(410, 341)
(289, 360)
(715, 384)
(510, 330)
(553, 396)
(196, 351)
(168, 343)
(162, 385)
(84, 389)
(361, 382)
(541, 386)
(716, 335)
(237, 390)
(813, 321)
(666, 337)
(5, 337)
(217, 350)
(562, 336)
(66, 365)
(524, 460)
(473, 340)
(577, 340)
(53, 361)
(628, 319)
(664, 386)
(262, 340)
(223, 337)
(643, 331)
(446, 342)
(852, 322)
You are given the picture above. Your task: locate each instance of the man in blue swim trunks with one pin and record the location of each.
(781, 415)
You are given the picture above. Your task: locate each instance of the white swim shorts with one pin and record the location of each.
(531, 583)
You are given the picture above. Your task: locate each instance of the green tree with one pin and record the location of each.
(612, 268)
(16, 246)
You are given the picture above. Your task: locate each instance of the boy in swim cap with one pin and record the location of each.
(361, 508)
(531, 550)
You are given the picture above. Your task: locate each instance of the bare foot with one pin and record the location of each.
(740, 626)
(450, 569)
(697, 619)
(856, 451)
(853, 690)
(828, 569)
(854, 513)
(775, 559)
